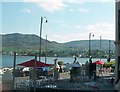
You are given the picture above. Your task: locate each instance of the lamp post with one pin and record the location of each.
(40, 35)
(109, 48)
(100, 48)
(109, 56)
(46, 50)
(90, 44)
(90, 60)
(14, 69)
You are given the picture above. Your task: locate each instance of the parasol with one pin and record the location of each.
(99, 62)
(31, 63)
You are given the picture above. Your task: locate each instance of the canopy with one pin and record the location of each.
(74, 64)
(25, 69)
(31, 63)
(99, 62)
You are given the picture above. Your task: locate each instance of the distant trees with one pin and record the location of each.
(60, 53)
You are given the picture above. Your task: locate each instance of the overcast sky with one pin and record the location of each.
(68, 20)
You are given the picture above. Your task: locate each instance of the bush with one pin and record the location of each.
(109, 64)
(60, 63)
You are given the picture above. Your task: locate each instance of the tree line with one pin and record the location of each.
(60, 53)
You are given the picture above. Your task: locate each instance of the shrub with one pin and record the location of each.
(109, 64)
(60, 63)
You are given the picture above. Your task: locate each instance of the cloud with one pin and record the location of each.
(71, 26)
(52, 6)
(81, 32)
(49, 5)
(83, 10)
(82, 1)
(57, 5)
(106, 0)
(71, 10)
(105, 29)
(101, 26)
(70, 1)
(74, 1)
(11, 0)
(26, 10)
(64, 38)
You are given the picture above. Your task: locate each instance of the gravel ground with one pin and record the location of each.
(103, 82)
(80, 83)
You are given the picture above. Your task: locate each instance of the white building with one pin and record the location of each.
(117, 46)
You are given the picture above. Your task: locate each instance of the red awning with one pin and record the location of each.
(31, 63)
(99, 62)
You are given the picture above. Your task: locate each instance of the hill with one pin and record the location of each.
(95, 44)
(30, 43)
(16, 41)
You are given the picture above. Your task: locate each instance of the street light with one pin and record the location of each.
(109, 56)
(90, 43)
(46, 50)
(109, 48)
(40, 35)
(90, 60)
(100, 48)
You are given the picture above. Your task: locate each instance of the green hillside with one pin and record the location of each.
(29, 43)
(95, 44)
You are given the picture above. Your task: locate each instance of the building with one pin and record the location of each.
(117, 46)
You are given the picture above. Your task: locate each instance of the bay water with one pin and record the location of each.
(8, 60)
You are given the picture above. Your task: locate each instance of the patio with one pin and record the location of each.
(80, 83)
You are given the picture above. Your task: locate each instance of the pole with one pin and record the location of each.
(100, 53)
(90, 55)
(89, 45)
(100, 48)
(109, 48)
(117, 47)
(14, 69)
(40, 39)
(46, 50)
(35, 74)
(90, 60)
(108, 60)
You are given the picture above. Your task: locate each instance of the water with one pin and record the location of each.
(7, 60)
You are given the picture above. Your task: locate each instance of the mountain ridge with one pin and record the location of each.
(31, 42)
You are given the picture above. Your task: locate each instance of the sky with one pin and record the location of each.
(68, 20)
